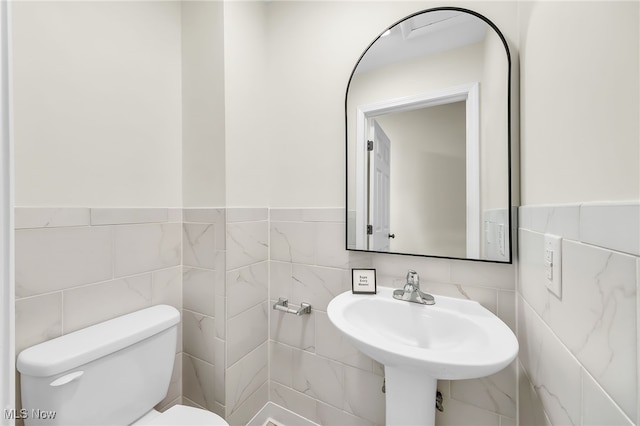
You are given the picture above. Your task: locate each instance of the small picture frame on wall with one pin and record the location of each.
(363, 281)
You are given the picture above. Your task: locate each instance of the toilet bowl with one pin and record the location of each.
(112, 373)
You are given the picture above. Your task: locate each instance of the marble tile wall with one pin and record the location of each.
(79, 266)
(316, 373)
(76, 267)
(247, 313)
(226, 267)
(579, 352)
(203, 302)
(225, 287)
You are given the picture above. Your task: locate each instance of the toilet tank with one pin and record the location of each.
(111, 373)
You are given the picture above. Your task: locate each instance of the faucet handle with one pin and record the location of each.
(413, 278)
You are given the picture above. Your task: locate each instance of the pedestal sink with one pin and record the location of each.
(419, 344)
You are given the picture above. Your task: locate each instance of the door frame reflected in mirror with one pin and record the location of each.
(469, 93)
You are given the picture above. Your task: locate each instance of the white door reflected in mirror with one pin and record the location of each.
(379, 187)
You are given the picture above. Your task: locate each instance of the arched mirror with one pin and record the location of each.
(428, 140)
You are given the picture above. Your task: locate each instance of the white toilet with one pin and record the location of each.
(112, 373)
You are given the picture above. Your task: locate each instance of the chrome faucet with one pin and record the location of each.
(411, 291)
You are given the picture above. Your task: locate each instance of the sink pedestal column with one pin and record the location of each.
(410, 397)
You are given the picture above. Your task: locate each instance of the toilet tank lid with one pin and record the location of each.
(88, 344)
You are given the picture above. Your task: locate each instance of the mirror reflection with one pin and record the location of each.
(428, 140)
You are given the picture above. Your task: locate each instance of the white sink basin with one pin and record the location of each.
(453, 339)
(418, 344)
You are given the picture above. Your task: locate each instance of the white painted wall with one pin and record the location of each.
(313, 47)
(285, 75)
(563, 159)
(580, 102)
(248, 131)
(97, 103)
(203, 104)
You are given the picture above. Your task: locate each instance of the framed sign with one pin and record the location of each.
(363, 281)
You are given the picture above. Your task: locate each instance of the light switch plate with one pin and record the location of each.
(553, 263)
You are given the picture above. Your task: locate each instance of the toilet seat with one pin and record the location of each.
(181, 415)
